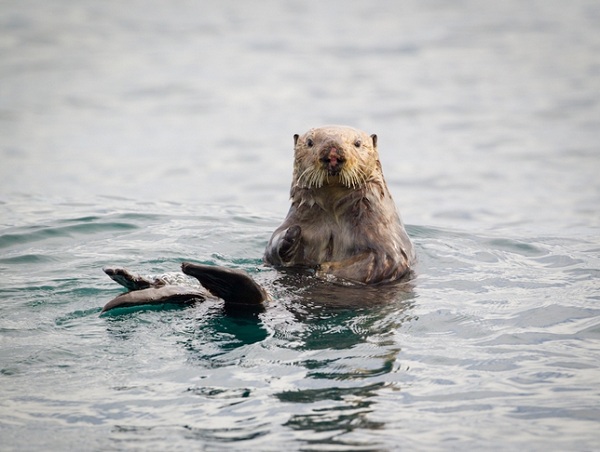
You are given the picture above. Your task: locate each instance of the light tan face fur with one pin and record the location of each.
(335, 155)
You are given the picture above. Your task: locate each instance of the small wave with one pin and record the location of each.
(28, 259)
(37, 233)
(76, 315)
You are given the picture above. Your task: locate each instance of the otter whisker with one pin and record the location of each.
(310, 178)
(321, 179)
(353, 178)
(301, 177)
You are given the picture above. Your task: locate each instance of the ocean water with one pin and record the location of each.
(143, 134)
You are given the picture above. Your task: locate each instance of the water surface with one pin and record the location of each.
(144, 135)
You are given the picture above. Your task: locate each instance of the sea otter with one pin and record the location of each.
(342, 223)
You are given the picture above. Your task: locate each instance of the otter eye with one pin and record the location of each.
(309, 143)
(358, 143)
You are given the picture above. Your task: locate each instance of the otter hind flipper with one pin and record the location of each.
(155, 296)
(231, 285)
(131, 281)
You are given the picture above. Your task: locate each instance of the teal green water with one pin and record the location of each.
(143, 135)
(495, 342)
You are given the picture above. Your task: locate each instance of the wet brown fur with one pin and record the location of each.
(342, 221)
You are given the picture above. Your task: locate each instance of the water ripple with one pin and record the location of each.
(88, 226)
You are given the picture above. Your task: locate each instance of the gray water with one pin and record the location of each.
(146, 133)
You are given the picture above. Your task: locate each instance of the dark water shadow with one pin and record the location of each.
(243, 326)
(210, 338)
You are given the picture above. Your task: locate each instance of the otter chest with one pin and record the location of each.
(331, 235)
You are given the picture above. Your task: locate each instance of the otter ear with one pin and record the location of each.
(374, 138)
(296, 136)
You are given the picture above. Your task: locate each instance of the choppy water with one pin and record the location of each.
(143, 134)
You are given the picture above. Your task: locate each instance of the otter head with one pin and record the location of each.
(335, 155)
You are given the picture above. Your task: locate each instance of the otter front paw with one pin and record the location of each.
(289, 243)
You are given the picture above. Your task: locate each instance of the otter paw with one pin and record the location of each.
(289, 242)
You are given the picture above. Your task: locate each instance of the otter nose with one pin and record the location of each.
(333, 159)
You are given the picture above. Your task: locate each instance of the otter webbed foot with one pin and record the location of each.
(148, 291)
(239, 291)
(155, 296)
(131, 281)
(232, 286)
